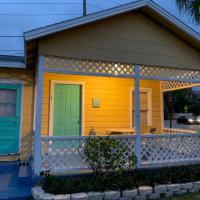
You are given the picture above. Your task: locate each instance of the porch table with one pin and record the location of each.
(120, 131)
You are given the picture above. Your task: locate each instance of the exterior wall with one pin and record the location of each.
(129, 38)
(114, 94)
(26, 77)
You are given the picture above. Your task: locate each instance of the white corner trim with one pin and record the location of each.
(21, 117)
(37, 125)
(51, 100)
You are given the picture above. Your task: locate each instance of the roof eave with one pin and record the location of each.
(45, 31)
(12, 64)
(41, 32)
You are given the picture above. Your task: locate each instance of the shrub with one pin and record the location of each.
(120, 181)
(106, 154)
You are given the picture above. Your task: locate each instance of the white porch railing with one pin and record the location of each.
(170, 149)
(176, 130)
(63, 153)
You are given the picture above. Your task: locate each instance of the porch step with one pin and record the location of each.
(15, 181)
(25, 175)
(17, 193)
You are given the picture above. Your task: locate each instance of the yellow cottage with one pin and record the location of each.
(103, 74)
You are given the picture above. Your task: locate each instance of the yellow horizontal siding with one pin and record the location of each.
(26, 77)
(114, 95)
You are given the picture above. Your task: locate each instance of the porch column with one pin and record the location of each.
(137, 116)
(38, 114)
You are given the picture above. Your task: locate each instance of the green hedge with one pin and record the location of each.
(121, 180)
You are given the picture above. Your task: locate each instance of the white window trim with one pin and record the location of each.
(149, 100)
(51, 100)
(4, 81)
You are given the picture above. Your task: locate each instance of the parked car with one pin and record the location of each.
(188, 119)
(198, 119)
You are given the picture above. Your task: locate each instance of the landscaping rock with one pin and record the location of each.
(169, 194)
(130, 194)
(160, 189)
(62, 197)
(36, 192)
(186, 186)
(173, 187)
(180, 192)
(193, 190)
(112, 195)
(154, 196)
(145, 190)
(95, 195)
(140, 198)
(79, 196)
(196, 185)
(46, 196)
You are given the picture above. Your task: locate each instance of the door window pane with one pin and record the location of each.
(8, 102)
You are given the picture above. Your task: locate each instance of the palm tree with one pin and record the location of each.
(191, 7)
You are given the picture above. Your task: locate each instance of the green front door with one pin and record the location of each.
(10, 104)
(67, 110)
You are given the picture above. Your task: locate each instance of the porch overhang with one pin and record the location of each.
(147, 7)
(55, 64)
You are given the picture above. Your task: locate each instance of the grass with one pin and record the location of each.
(187, 197)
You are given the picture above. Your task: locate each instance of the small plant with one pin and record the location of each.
(107, 154)
(162, 195)
(45, 173)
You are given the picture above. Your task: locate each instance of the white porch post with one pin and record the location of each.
(137, 116)
(38, 114)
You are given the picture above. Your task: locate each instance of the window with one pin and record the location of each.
(145, 107)
(8, 102)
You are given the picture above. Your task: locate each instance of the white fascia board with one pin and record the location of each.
(174, 20)
(41, 32)
(11, 64)
(51, 29)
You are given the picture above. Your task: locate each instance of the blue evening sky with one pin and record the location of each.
(17, 16)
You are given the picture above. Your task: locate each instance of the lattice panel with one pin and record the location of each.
(165, 149)
(113, 69)
(169, 74)
(88, 67)
(63, 154)
(172, 85)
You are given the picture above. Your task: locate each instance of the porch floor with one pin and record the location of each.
(12, 186)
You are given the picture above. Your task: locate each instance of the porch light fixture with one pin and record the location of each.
(96, 103)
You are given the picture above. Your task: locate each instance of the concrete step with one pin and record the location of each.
(22, 193)
(15, 181)
(25, 175)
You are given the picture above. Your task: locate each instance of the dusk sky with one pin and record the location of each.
(18, 16)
